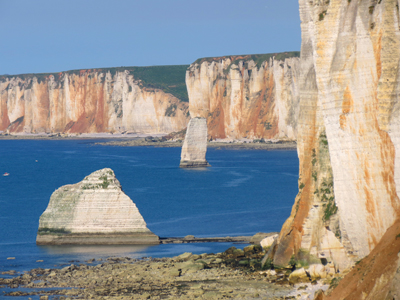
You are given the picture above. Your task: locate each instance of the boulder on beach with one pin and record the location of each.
(258, 237)
(268, 241)
(93, 211)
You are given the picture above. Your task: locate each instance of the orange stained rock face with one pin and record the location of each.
(4, 120)
(372, 278)
(352, 71)
(378, 53)
(243, 100)
(89, 101)
(347, 105)
(216, 124)
(291, 234)
(41, 107)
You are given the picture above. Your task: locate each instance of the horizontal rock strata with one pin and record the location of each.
(194, 147)
(348, 141)
(93, 211)
(251, 96)
(92, 101)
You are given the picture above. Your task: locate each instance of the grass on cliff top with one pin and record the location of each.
(170, 79)
(257, 58)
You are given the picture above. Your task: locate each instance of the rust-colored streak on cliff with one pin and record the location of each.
(41, 107)
(215, 124)
(101, 116)
(246, 96)
(349, 102)
(290, 237)
(4, 120)
(374, 277)
(87, 101)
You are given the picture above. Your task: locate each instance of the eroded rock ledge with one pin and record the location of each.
(93, 211)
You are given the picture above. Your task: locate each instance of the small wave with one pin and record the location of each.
(290, 174)
(142, 190)
(115, 156)
(238, 181)
(17, 243)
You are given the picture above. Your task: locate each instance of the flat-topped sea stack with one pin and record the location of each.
(195, 145)
(93, 211)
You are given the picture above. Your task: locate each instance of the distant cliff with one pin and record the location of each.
(252, 96)
(137, 99)
(348, 132)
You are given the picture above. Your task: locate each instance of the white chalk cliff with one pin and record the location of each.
(246, 96)
(194, 147)
(348, 131)
(93, 211)
(91, 101)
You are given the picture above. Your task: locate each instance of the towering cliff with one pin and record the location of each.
(252, 96)
(136, 99)
(348, 132)
(93, 211)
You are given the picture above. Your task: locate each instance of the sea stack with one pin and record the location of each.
(93, 211)
(195, 145)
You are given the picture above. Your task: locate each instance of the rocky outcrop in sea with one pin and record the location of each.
(93, 211)
(194, 147)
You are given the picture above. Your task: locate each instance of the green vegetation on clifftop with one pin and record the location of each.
(257, 58)
(170, 79)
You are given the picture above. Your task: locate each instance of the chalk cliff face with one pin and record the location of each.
(348, 132)
(87, 101)
(93, 211)
(251, 96)
(194, 147)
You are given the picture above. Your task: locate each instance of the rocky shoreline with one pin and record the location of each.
(233, 274)
(192, 239)
(159, 142)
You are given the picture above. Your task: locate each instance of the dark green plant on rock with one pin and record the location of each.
(330, 209)
(54, 231)
(105, 182)
(322, 15)
(171, 110)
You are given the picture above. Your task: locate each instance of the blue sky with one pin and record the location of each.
(57, 35)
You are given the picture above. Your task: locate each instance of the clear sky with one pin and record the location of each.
(40, 36)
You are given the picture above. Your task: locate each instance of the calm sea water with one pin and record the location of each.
(244, 192)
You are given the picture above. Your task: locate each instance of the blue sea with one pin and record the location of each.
(244, 192)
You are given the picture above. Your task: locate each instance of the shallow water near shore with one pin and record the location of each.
(244, 192)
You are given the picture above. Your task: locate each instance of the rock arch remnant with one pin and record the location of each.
(195, 145)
